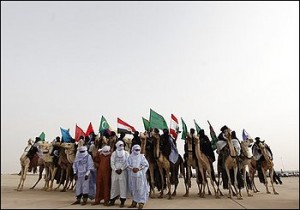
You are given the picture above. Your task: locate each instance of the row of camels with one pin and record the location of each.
(162, 173)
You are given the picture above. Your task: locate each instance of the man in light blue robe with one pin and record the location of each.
(82, 166)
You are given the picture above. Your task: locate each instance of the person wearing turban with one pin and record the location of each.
(137, 179)
(103, 180)
(82, 166)
(118, 164)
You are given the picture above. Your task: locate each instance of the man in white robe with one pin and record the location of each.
(137, 179)
(118, 163)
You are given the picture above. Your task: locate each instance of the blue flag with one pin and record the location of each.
(66, 137)
(245, 135)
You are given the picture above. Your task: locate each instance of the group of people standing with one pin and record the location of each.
(120, 175)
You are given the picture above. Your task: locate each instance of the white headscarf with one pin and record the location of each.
(105, 150)
(120, 149)
(81, 153)
(136, 149)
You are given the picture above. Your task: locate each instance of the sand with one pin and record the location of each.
(288, 197)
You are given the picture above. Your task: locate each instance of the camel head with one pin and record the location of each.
(143, 136)
(30, 141)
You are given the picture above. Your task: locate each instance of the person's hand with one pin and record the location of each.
(119, 171)
(135, 170)
(75, 177)
(86, 177)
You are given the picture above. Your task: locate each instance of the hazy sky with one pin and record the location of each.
(232, 63)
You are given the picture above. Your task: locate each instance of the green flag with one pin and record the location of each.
(103, 125)
(157, 121)
(184, 130)
(214, 138)
(146, 124)
(197, 126)
(42, 136)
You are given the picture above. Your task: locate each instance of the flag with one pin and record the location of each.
(124, 127)
(66, 137)
(213, 136)
(42, 136)
(184, 130)
(245, 135)
(78, 132)
(146, 124)
(157, 121)
(174, 127)
(103, 125)
(197, 127)
(89, 130)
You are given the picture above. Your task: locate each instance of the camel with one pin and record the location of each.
(252, 171)
(29, 154)
(148, 150)
(205, 168)
(190, 162)
(163, 164)
(230, 162)
(245, 158)
(267, 165)
(66, 158)
(49, 165)
(24, 161)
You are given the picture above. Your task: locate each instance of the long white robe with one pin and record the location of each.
(137, 182)
(82, 166)
(119, 181)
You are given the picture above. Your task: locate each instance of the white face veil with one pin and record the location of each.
(119, 145)
(136, 149)
(81, 153)
(105, 150)
(120, 149)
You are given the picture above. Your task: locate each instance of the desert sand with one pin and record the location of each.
(288, 197)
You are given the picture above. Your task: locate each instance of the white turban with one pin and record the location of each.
(105, 150)
(136, 149)
(120, 145)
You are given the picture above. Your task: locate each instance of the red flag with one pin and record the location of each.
(78, 132)
(89, 130)
(174, 127)
(124, 127)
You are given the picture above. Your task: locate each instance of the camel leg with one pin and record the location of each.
(62, 171)
(41, 169)
(238, 191)
(168, 183)
(198, 182)
(202, 184)
(229, 182)
(187, 181)
(266, 181)
(208, 190)
(272, 182)
(46, 185)
(245, 183)
(22, 178)
(54, 170)
(162, 182)
(213, 184)
(152, 181)
(67, 179)
(218, 185)
(255, 190)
